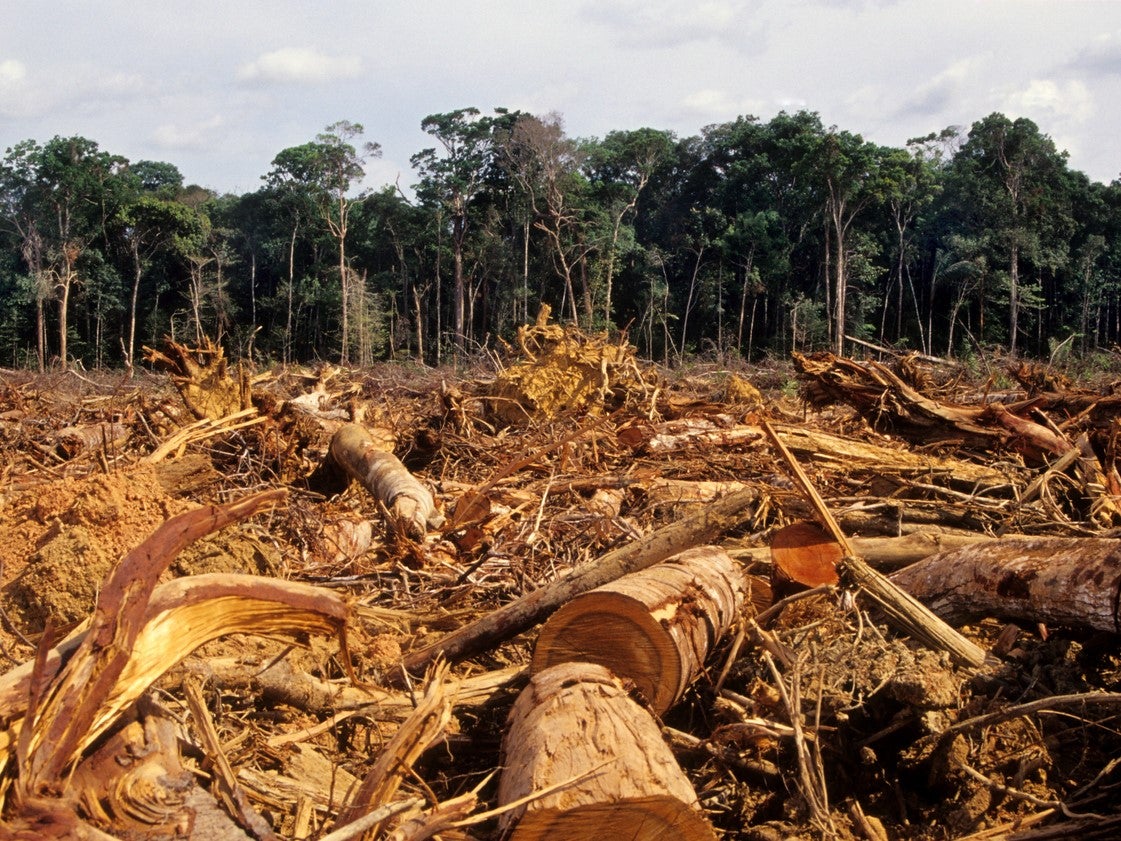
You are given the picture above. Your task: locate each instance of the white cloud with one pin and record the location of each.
(12, 71)
(196, 135)
(300, 65)
(947, 88)
(1046, 97)
(714, 105)
(667, 23)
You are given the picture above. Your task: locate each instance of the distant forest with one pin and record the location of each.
(752, 239)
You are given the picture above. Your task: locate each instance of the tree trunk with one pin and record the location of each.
(409, 504)
(1070, 582)
(653, 628)
(522, 614)
(575, 730)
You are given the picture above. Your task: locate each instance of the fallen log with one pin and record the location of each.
(882, 397)
(574, 727)
(654, 627)
(411, 509)
(1067, 582)
(522, 614)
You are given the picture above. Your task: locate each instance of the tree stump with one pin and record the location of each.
(599, 759)
(654, 627)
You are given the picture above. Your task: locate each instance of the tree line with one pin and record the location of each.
(752, 238)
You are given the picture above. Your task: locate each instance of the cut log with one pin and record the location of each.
(411, 509)
(803, 556)
(1067, 582)
(598, 761)
(654, 627)
(522, 614)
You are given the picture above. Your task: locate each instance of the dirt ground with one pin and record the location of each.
(823, 720)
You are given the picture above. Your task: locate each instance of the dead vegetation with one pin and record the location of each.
(541, 601)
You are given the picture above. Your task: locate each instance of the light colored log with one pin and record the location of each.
(654, 628)
(575, 726)
(409, 503)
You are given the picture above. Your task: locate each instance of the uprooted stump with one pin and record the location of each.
(201, 375)
(654, 627)
(560, 369)
(593, 764)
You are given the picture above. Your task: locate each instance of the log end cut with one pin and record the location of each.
(653, 628)
(641, 819)
(616, 631)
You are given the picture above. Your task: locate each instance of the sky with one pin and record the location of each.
(219, 88)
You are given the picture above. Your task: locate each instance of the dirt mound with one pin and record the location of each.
(63, 537)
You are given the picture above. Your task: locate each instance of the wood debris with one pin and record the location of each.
(569, 595)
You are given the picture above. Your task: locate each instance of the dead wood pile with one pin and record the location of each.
(403, 603)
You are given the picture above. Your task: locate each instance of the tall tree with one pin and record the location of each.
(328, 169)
(147, 227)
(452, 176)
(620, 166)
(69, 191)
(1012, 175)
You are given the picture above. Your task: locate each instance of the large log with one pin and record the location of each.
(654, 627)
(597, 761)
(409, 504)
(521, 615)
(1068, 582)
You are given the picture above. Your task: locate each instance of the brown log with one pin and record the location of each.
(409, 503)
(598, 761)
(1069, 582)
(522, 614)
(802, 556)
(654, 627)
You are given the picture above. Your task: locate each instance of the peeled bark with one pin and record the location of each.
(596, 764)
(654, 628)
(1069, 582)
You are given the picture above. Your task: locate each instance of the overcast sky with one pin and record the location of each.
(218, 88)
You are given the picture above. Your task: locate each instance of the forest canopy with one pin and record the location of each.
(753, 238)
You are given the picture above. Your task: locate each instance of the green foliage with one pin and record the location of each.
(753, 236)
